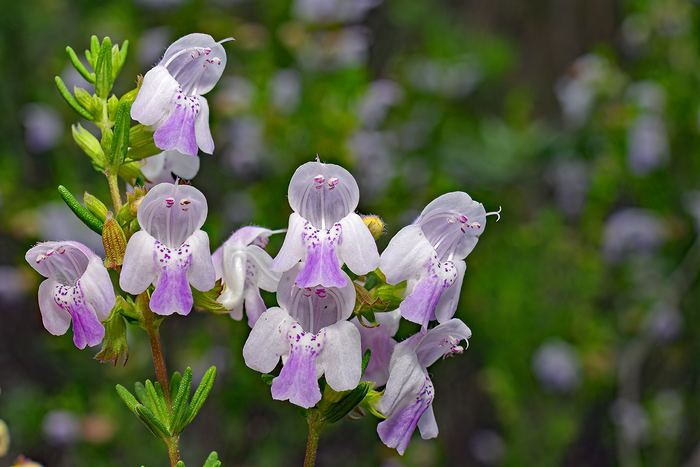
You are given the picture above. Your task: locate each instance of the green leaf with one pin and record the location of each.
(103, 69)
(174, 385)
(213, 460)
(200, 395)
(127, 397)
(118, 59)
(207, 300)
(83, 214)
(154, 425)
(94, 51)
(89, 77)
(156, 400)
(141, 393)
(68, 97)
(180, 402)
(365, 360)
(120, 141)
(341, 408)
(90, 146)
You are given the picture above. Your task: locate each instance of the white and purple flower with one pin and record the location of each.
(170, 98)
(161, 167)
(78, 289)
(171, 251)
(379, 340)
(430, 255)
(244, 267)
(409, 393)
(310, 333)
(324, 231)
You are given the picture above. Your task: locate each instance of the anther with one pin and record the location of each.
(332, 183)
(169, 202)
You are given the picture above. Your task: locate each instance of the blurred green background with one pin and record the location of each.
(579, 117)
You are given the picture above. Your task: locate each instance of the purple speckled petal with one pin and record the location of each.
(409, 392)
(419, 305)
(177, 132)
(87, 329)
(267, 342)
(321, 266)
(56, 320)
(172, 294)
(298, 379)
(446, 307)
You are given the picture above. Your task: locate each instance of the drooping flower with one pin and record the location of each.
(379, 340)
(430, 253)
(78, 289)
(161, 167)
(408, 397)
(170, 98)
(171, 251)
(310, 333)
(244, 267)
(324, 231)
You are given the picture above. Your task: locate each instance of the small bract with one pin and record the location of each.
(78, 289)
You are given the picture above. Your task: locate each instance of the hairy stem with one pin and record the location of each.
(114, 190)
(312, 441)
(173, 449)
(151, 326)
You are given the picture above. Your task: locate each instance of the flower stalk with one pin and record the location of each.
(315, 425)
(151, 325)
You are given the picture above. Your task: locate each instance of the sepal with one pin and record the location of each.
(112, 107)
(95, 206)
(83, 214)
(90, 146)
(207, 300)
(120, 140)
(85, 99)
(114, 344)
(114, 241)
(141, 143)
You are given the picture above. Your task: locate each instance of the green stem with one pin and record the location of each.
(312, 441)
(114, 190)
(151, 327)
(173, 449)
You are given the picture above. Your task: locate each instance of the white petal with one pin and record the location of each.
(267, 341)
(406, 379)
(265, 278)
(98, 289)
(183, 165)
(154, 166)
(358, 250)
(427, 424)
(293, 248)
(200, 274)
(449, 300)
(56, 320)
(390, 319)
(139, 269)
(234, 275)
(201, 127)
(406, 255)
(435, 342)
(155, 96)
(187, 66)
(341, 358)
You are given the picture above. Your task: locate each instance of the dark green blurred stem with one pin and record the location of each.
(173, 449)
(114, 190)
(312, 442)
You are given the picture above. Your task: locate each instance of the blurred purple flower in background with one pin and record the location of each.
(631, 232)
(570, 179)
(43, 127)
(556, 366)
(61, 428)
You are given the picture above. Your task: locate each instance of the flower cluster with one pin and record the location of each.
(309, 330)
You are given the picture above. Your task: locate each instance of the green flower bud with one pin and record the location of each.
(114, 241)
(112, 106)
(89, 145)
(95, 206)
(84, 98)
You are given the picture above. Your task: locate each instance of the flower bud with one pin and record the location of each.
(114, 241)
(4, 438)
(375, 225)
(83, 97)
(89, 145)
(112, 106)
(95, 206)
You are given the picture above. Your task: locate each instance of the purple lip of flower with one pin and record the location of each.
(78, 289)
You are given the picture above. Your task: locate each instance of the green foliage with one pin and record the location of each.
(83, 214)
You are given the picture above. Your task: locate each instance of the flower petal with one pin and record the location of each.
(97, 287)
(406, 255)
(200, 273)
(449, 300)
(439, 341)
(260, 261)
(254, 305)
(321, 266)
(298, 380)
(293, 248)
(183, 165)
(173, 293)
(154, 97)
(341, 358)
(427, 424)
(56, 320)
(139, 269)
(201, 128)
(186, 58)
(234, 270)
(267, 342)
(357, 249)
(177, 131)
(419, 305)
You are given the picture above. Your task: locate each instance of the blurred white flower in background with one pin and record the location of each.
(43, 127)
(556, 366)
